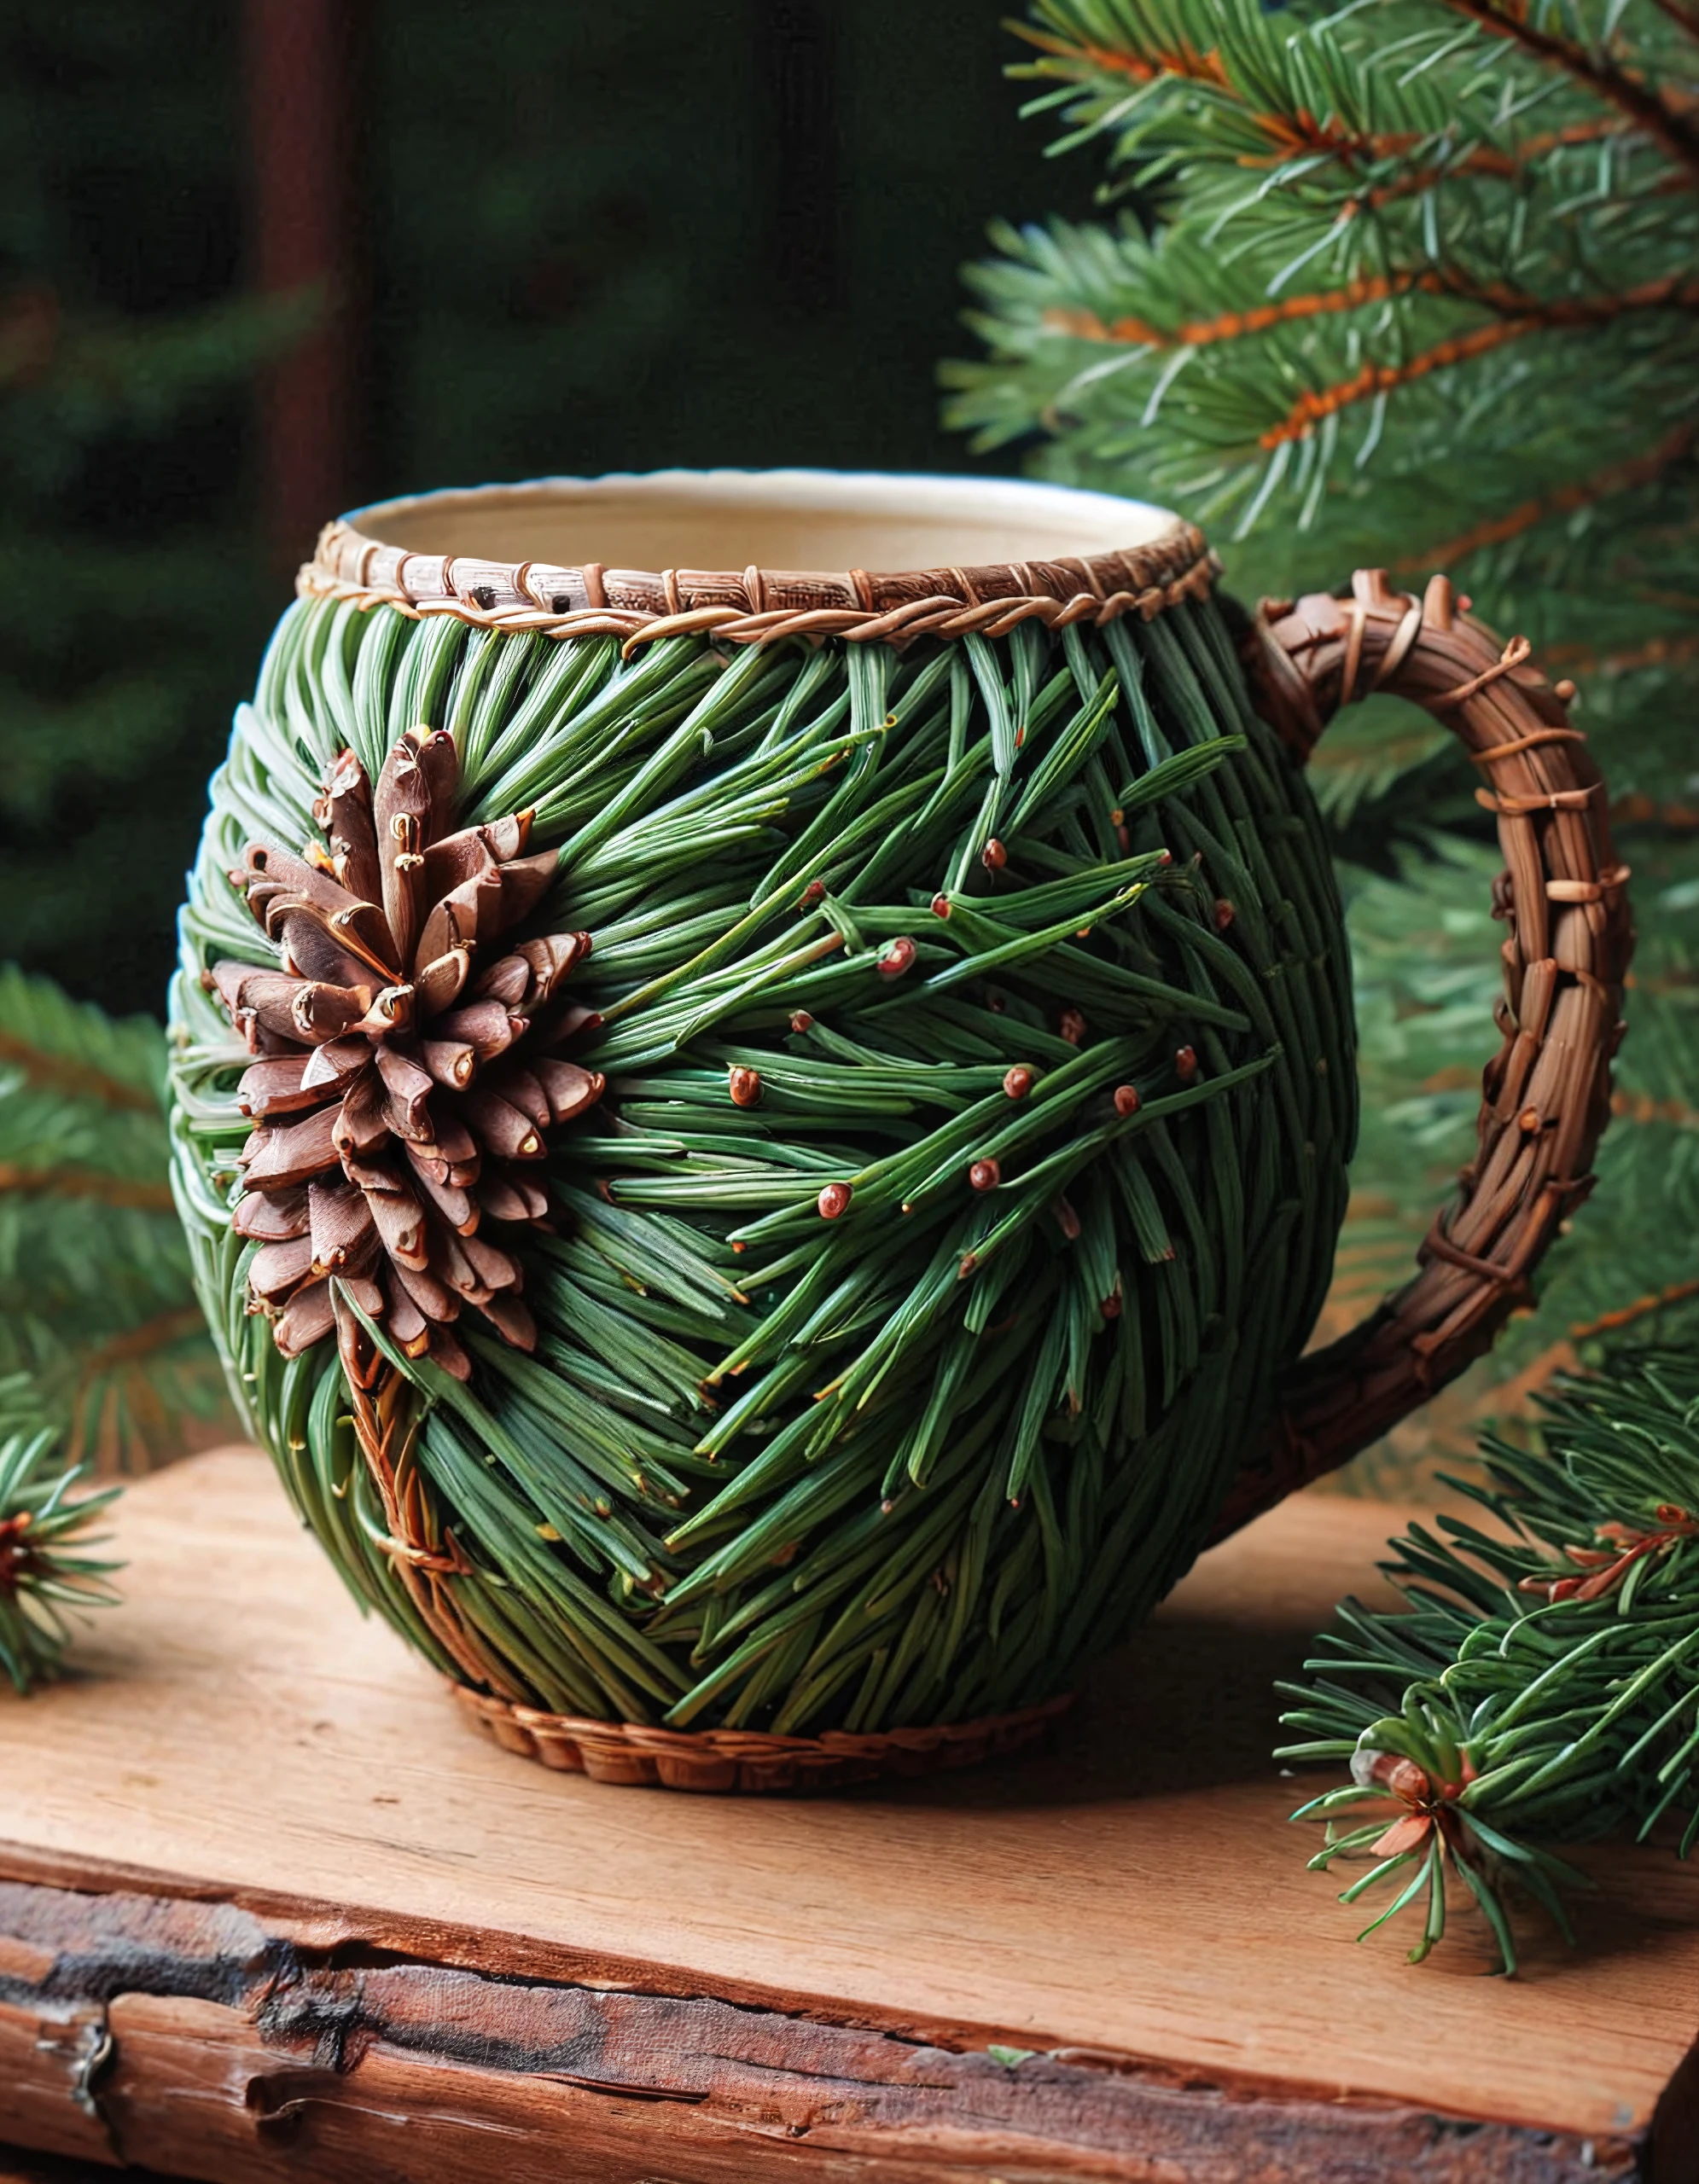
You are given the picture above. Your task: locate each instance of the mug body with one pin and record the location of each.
(763, 1078)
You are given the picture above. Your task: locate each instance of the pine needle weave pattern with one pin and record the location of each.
(976, 1026)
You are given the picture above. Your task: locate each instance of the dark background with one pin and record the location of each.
(263, 259)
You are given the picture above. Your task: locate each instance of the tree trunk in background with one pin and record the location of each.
(305, 72)
(800, 94)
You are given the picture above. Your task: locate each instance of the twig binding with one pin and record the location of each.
(1562, 897)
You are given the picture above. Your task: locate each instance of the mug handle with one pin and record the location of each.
(1546, 1093)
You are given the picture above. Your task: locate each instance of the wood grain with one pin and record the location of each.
(257, 1853)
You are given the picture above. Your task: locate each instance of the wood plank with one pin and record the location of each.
(241, 1746)
(298, 2065)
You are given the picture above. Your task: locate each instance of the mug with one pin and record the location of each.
(763, 1086)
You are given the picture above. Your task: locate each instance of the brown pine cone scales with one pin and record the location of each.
(403, 1079)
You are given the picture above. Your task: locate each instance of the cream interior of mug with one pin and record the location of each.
(795, 519)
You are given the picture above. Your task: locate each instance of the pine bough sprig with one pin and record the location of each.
(1540, 1686)
(1352, 206)
(47, 1574)
(1418, 274)
(98, 1304)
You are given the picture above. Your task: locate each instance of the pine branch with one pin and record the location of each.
(1540, 1684)
(1179, 59)
(1597, 71)
(79, 1080)
(97, 1302)
(1656, 651)
(85, 1182)
(1674, 447)
(47, 1575)
(1422, 939)
(1522, 317)
(1627, 1315)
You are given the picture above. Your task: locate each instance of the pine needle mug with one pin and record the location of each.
(762, 1141)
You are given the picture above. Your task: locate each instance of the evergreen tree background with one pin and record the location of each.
(1414, 282)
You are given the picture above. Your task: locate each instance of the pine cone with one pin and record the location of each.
(402, 1081)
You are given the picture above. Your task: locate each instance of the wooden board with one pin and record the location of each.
(270, 1898)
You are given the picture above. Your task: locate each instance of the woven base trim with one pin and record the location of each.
(722, 1760)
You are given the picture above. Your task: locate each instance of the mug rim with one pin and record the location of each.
(1096, 522)
(1056, 552)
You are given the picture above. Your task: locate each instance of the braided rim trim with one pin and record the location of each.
(757, 607)
(719, 1760)
(1546, 1093)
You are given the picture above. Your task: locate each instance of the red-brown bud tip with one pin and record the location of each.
(1464, 602)
(993, 857)
(746, 1087)
(1127, 1099)
(1564, 690)
(1067, 1219)
(985, 1175)
(739, 1248)
(812, 894)
(801, 1021)
(1111, 1307)
(969, 1265)
(834, 1200)
(941, 906)
(1224, 914)
(1167, 857)
(897, 957)
(1185, 1062)
(1071, 1025)
(1017, 1082)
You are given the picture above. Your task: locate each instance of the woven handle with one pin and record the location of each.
(1546, 1092)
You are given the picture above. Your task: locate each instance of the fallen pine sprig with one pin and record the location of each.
(1540, 1684)
(46, 1574)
